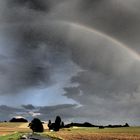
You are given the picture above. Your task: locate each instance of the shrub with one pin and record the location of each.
(36, 125)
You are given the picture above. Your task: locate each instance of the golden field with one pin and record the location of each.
(130, 133)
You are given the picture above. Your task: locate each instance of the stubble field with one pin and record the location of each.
(130, 133)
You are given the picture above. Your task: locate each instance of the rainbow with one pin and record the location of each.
(79, 27)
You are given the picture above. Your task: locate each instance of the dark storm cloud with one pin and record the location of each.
(66, 111)
(9, 112)
(30, 107)
(113, 78)
(28, 57)
(45, 113)
(71, 112)
(42, 34)
(50, 112)
(117, 18)
(38, 5)
(35, 44)
(8, 109)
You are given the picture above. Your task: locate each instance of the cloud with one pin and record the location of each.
(30, 107)
(35, 42)
(45, 42)
(35, 114)
(8, 112)
(114, 17)
(99, 113)
(37, 5)
(45, 112)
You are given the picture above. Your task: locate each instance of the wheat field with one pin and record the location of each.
(75, 133)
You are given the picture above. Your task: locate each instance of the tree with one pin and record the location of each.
(62, 124)
(126, 125)
(18, 120)
(36, 125)
(57, 123)
(50, 125)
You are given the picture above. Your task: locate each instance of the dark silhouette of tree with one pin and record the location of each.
(101, 127)
(36, 125)
(126, 125)
(58, 120)
(52, 126)
(86, 124)
(49, 125)
(62, 125)
(57, 123)
(18, 120)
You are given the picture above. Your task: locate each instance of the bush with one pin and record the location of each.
(57, 125)
(36, 125)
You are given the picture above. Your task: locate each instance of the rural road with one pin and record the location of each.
(34, 137)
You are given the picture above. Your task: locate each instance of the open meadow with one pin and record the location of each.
(14, 130)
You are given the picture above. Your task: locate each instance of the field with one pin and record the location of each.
(14, 130)
(132, 133)
(10, 128)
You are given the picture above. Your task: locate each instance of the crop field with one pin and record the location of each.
(14, 130)
(10, 128)
(131, 133)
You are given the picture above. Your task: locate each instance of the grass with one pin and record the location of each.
(53, 137)
(15, 136)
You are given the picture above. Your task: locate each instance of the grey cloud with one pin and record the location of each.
(66, 111)
(43, 35)
(33, 46)
(117, 18)
(30, 107)
(46, 112)
(38, 5)
(8, 112)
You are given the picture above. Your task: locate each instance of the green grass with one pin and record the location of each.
(48, 135)
(15, 136)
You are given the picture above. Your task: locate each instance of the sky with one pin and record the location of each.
(79, 59)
